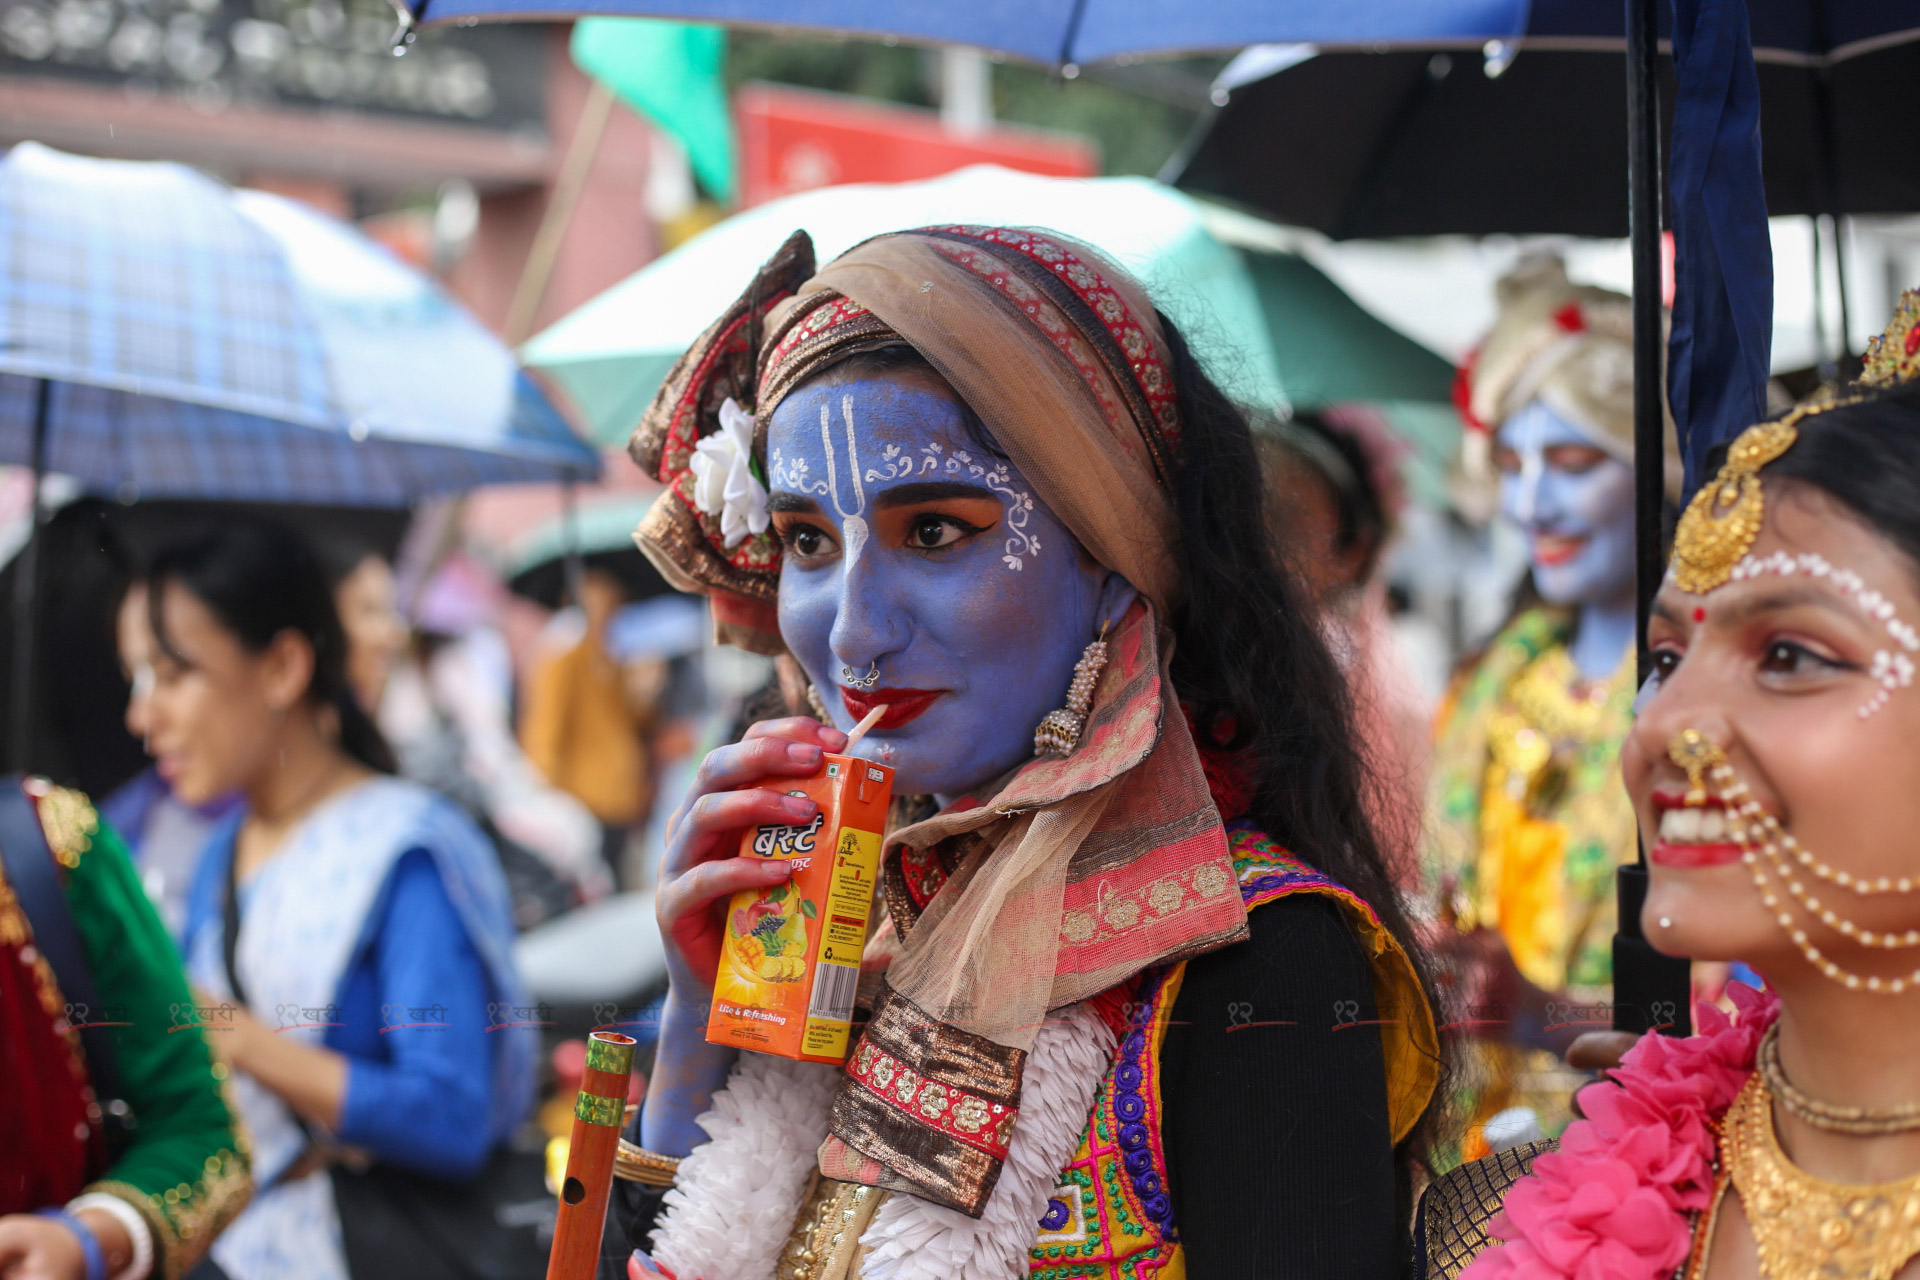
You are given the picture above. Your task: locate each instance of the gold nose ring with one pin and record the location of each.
(1695, 752)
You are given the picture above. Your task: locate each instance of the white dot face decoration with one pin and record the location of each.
(1891, 668)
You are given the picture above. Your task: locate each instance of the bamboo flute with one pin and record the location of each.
(588, 1183)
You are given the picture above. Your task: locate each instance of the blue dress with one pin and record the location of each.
(382, 930)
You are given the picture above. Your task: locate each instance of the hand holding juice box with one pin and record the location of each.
(790, 961)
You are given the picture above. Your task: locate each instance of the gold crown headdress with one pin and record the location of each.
(1720, 524)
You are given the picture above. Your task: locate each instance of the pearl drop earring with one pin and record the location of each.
(1059, 733)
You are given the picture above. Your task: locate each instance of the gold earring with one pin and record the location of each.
(1059, 733)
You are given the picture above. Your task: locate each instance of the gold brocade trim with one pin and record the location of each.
(1457, 1208)
(1804, 1227)
(67, 818)
(187, 1218)
(825, 1241)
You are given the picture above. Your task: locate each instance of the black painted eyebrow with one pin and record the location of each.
(908, 495)
(798, 502)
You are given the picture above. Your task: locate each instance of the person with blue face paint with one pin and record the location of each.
(1527, 816)
(1140, 960)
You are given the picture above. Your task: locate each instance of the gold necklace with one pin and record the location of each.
(1803, 1227)
(1833, 1117)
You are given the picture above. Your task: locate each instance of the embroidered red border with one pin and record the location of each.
(1149, 371)
(933, 1110)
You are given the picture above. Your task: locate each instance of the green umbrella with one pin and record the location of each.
(610, 355)
(1331, 350)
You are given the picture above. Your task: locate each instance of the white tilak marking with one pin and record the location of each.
(853, 521)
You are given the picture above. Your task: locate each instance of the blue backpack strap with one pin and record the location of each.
(35, 878)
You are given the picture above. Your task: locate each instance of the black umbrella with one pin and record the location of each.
(1363, 145)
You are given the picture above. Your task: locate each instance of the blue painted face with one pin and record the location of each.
(913, 555)
(1573, 500)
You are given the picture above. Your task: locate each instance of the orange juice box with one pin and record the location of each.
(791, 959)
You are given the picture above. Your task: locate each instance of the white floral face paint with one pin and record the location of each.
(1891, 668)
(935, 460)
(976, 649)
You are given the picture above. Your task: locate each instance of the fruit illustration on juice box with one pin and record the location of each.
(767, 928)
(790, 962)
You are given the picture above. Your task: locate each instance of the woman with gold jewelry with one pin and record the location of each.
(1776, 783)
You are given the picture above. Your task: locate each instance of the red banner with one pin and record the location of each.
(797, 139)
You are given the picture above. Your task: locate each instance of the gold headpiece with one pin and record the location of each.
(1894, 356)
(1723, 519)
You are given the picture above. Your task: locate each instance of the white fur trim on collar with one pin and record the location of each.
(736, 1197)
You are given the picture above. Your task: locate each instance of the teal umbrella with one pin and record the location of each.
(1330, 350)
(610, 355)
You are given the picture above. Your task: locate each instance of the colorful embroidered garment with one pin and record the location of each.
(1112, 1215)
(184, 1164)
(1528, 819)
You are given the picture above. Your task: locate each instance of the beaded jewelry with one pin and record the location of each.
(1830, 1116)
(1059, 733)
(1759, 835)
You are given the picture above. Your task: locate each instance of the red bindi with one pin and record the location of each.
(1699, 613)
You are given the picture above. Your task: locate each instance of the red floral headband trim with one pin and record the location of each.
(1141, 373)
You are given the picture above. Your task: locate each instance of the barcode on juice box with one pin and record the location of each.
(833, 988)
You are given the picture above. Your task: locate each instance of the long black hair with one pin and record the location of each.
(1252, 667)
(261, 580)
(1250, 662)
(1867, 457)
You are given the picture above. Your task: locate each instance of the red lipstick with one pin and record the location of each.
(1693, 856)
(903, 705)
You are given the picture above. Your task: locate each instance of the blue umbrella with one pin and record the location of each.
(164, 336)
(1072, 31)
(174, 338)
(1053, 32)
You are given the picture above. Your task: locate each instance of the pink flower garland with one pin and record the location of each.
(1612, 1202)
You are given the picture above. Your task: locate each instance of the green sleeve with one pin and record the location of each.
(185, 1168)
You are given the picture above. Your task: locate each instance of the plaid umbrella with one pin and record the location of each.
(199, 342)
(163, 336)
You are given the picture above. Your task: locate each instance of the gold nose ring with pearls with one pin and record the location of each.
(1695, 752)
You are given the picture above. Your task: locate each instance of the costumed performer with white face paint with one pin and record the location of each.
(1774, 776)
(1526, 816)
(1141, 998)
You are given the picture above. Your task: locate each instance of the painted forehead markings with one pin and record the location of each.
(1892, 669)
(897, 463)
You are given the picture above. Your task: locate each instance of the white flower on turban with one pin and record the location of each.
(723, 480)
